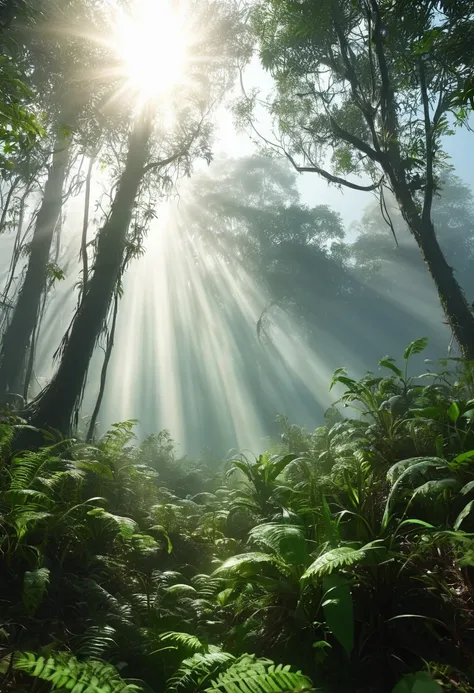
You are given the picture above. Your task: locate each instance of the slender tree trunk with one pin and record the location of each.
(55, 406)
(18, 333)
(103, 372)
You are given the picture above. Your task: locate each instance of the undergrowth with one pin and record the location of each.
(341, 561)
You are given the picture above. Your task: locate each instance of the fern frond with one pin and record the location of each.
(124, 526)
(198, 668)
(337, 558)
(287, 541)
(65, 671)
(246, 565)
(191, 642)
(35, 584)
(258, 676)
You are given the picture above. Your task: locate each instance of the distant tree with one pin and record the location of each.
(361, 82)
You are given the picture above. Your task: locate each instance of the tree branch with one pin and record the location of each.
(330, 177)
(355, 141)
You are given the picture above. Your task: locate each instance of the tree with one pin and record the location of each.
(70, 110)
(365, 84)
(153, 149)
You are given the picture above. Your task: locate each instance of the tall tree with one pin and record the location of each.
(153, 149)
(362, 82)
(70, 106)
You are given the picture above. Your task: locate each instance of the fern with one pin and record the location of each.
(65, 671)
(198, 668)
(245, 565)
(258, 676)
(124, 526)
(35, 584)
(288, 541)
(191, 642)
(338, 558)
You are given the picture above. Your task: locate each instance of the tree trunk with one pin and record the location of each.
(103, 373)
(455, 305)
(17, 336)
(453, 301)
(54, 407)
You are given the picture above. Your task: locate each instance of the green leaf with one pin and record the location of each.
(467, 488)
(245, 565)
(251, 675)
(338, 558)
(64, 671)
(124, 526)
(388, 362)
(35, 584)
(99, 468)
(469, 414)
(437, 486)
(287, 541)
(427, 412)
(463, 514)
(460, 459)
(338, 610)
(421, 682)
(190, 642)
(415, 347)
(454, 412)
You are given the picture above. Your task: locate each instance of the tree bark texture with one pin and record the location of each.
(452, 298)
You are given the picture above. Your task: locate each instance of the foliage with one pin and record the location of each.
(348, 558)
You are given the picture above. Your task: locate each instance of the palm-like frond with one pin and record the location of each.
(246, 565)
(258, 676)
(338, 558)
(197, 668)
(35, 584)
(191, 642)
(124, 526)
(287, 541)
(65, 672)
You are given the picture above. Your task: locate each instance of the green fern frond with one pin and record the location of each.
(23, 520)
(287, 541)
(28, 466)
(24, 496)
(191, 642)
(249, 674)
(35, 584)
(124, 526)
(95, 467)
(65, 671)
(338, 558)
(246, 565)
(96, 641)
(198, 668)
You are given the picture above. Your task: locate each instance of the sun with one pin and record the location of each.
(151, 44)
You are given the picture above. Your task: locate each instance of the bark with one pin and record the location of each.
(54, 408)
(17, 336)
(451, 296)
